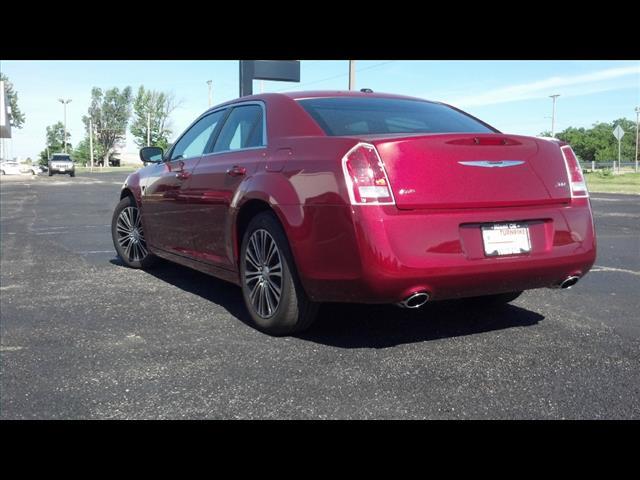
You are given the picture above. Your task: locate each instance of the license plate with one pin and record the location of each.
(506, 239)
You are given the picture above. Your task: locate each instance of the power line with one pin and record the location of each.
(339, 75)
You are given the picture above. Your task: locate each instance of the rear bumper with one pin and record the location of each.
(376, 254)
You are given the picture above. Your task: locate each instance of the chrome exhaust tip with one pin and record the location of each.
(415, 300)
(569, 282)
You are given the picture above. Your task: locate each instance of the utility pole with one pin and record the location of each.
(637, 122)
(91, 142)
(352, 74)
(64, 103)
(209, 83)
(148, 128)
(553, 115)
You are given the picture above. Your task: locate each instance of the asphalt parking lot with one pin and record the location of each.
(84, 337)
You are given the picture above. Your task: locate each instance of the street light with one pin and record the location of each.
(637, 122)
(209, 83)
(64, 103)
(553, 115)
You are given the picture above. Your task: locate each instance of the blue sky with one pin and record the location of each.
(513, 96)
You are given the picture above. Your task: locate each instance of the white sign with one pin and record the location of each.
(618, 132)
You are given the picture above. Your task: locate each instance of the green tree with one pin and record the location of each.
(55, 142)
(598, 143)
(17, 117)
(152, 109)
(82, 153)
(109, 112)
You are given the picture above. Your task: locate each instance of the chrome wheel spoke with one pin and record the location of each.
(272, 250)
(249, 276)
(252, 259)
(275, 288)
(276, 270)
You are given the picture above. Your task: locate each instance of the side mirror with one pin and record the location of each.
(151, 155)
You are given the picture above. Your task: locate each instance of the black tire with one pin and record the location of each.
(489, 301)
(294, 311)
(1, 172)
(50, 173)
(132, 254)
(72, 174)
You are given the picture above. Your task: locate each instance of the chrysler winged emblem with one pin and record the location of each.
(492, 163)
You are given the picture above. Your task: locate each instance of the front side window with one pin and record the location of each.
(362, 116)
(243, 129)
(194, 141)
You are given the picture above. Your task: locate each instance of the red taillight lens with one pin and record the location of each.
(576, 178)
(366, 178)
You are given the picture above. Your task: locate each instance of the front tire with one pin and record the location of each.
(273, 294)
(128, 236)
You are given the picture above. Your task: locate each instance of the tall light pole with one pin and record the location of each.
(352, 74)
(637, 122)
(553, 115)
(64, 103)
(91, 142)
(209, 83)
(149, 128)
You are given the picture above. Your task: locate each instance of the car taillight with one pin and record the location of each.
(367, 181)
(576, 178)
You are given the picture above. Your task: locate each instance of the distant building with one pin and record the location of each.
(129, 158)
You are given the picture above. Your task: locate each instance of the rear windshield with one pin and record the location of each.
(61, 158)
(362, 116)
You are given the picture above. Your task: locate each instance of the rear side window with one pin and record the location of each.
(362, 116)
(243, 129)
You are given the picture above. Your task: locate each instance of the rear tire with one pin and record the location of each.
(51, 174)
(72, 174)
(128, 236)
(272, 292)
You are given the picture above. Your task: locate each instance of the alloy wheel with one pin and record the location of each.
(130, 235)
(263, 273)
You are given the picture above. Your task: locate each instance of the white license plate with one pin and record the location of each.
(61, 169)
(506, 239)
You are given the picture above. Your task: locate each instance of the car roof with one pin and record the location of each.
(299, 95)
(346, 93)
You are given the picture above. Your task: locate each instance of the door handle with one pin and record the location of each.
(237, 171)
(183, 175)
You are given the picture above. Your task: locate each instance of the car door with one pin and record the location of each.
(165, 202)
(237, 150)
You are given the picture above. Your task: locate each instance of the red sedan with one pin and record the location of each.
(312, 197)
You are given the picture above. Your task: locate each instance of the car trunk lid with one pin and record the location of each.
(472, 170)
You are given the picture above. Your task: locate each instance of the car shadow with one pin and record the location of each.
(346, 325)
(384, 326)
